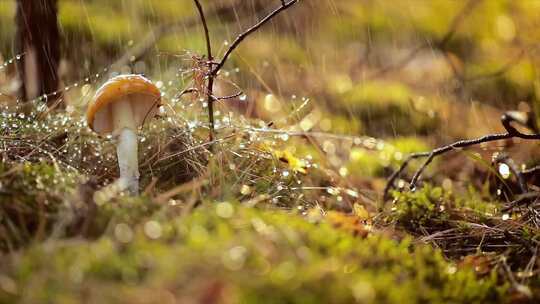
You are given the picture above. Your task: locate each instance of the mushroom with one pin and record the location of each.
(119, 107)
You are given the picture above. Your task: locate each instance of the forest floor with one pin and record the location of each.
(286, 205)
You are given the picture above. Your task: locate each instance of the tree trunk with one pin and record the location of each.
(38, 40)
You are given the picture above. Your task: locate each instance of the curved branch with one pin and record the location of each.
(284, 6)
(511, 132)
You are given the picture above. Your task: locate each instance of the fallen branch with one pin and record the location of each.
(511, 132)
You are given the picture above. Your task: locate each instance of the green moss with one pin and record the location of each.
(480, 207)
(426, 206)
(245, 255)
(31, 200)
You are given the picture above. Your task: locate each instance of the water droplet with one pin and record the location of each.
(123, 233)
(245, 190)
(224, 210)
(504, 170)
(152, 229)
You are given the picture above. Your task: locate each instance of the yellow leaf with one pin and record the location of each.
(295, 164)
(349, 223)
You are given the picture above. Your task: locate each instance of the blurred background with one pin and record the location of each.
(417, 73)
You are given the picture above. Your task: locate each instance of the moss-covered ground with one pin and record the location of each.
(286, 206)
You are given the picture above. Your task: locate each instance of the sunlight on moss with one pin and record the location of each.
(287, 255)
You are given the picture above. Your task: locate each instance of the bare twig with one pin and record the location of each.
(214, 68)
(523, 199)
(456, 22)
(284, 6)
(506, 121)
(238, 94)
(211, 76)
(530, 171)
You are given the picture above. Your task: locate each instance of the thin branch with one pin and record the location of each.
(284, 6)
(506, 121)
(210, 87)
(392, 179)
(453, 146)
(522, 199)
(215, 68)
(531, 171)
(206, 32)
(456, 22)
(228, 97)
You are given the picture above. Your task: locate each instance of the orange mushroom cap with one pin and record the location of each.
(144, 97)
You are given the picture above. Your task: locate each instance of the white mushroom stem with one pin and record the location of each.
(127, 148)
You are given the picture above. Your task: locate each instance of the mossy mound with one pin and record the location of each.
(476, 230)
(228, 253)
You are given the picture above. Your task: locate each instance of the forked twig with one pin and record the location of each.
(284, 6)
(214, 68)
